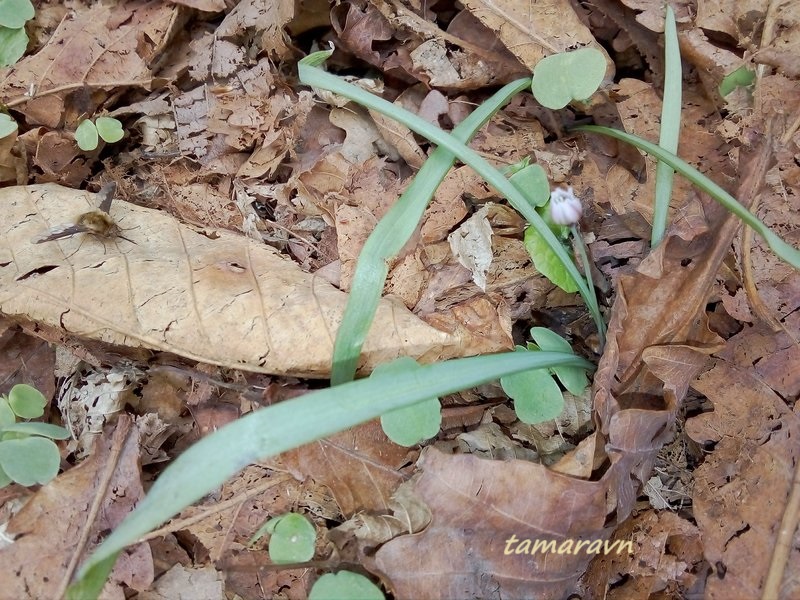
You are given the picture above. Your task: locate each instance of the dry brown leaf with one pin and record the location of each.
(739, 503)
(667, 554)
(13, 167)
(533, 31)
(360, 466)
(477, 505)
(412, 48)
(49, 526)
(206, 5)
(263, 20)
(213, 296)
(103, 47)
(205, 583)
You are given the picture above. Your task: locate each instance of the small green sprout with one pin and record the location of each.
(344, 584)
(412, 424)
(13, 39)
(561, 78)
(28, 455)
(741, 77)
(107, 128)
(292, 538)
(536, 394)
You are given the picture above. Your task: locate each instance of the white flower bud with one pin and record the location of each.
(565, 207)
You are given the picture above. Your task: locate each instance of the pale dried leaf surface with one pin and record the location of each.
(101, 47)
(225, 301)
(532, 31)
(205, 583)
(462, 552)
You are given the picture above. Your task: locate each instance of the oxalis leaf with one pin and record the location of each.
(14, 13)
(7, 125)
(86, 136)
(546, 261)
(345, 584)
(411, 424)
(109, 129)
(562, 78)
(536, 395)
(574, 380)
(13, 43)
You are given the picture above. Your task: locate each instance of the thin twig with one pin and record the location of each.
(179, 524)
(73, 86)
(117, 443)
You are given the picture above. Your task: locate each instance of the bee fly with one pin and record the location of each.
(96, 222)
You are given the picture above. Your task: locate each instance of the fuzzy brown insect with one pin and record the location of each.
(96, 222)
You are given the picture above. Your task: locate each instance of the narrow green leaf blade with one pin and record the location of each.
(788, 253)
(670, 126)
(275, 429)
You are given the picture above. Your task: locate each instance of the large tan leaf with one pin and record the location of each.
(532, 31)
(209, 295)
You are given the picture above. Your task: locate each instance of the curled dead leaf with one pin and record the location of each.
(213, 296)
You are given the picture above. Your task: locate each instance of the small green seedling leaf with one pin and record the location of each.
(344, 584)
(26, 401)
(4, 478)
(561, 78)
(7, 125)
(532, 181)
(292, 539)
(574, 380)
(546, 261)
(7, 416)
(741, 77)
(86, 136)
(13, 43)
(536, 395)
(412, 424)
(109, 129)
(14, 13)
(47, 430)
(30, 460)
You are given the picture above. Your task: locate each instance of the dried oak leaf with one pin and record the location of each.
(533, 31)
(49, 526)
(742, 488)
(103, 47)
(212, 296)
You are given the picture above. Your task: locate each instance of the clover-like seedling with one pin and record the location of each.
(13, 39)
(412, 424)
(344, 584)
(741, 77)
(107, 128)
(561, 78)
(292, 538)
(536, 394)
(532, 183)
(7, 125)
(28, 455)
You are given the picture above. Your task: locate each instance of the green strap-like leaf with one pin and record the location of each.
(392, 233)
(788, 253)
(313, 76)
(281, 427)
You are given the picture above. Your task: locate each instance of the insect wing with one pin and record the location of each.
(106, 194)
(60, 232)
